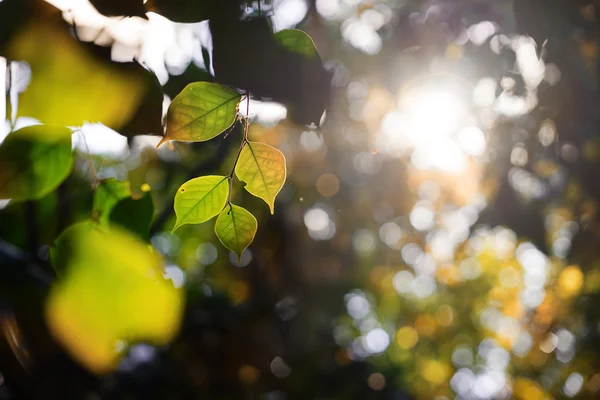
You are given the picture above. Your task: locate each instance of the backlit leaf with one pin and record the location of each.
(108, 193)
(296, 41)
(200, 112)
(200, 199)
(69, 86)
(112, 293)
(262, 168)
(235, 228)
(34, 161)
(134, 215)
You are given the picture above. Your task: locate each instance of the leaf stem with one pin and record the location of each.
(244, 142)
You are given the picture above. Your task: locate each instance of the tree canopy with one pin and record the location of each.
(299, 199)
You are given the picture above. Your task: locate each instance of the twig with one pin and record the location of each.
(244, 141)
(206, 165)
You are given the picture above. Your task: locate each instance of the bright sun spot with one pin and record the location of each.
(432, 116)
(433, 125)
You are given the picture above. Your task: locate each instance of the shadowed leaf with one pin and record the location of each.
(248, 56)
(108, 193)
(235, 228)
(34, 161)
(127, 8)
(200, 199)
(262, 168)
(296, 41)
(134, 215)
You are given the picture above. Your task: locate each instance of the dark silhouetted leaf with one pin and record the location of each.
(126, 8)
(177, 83)
(246, 55)
(190, 11)
(134, 215)
(108, 193)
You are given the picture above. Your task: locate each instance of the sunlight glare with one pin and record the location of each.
(433, 115)
(427, 123)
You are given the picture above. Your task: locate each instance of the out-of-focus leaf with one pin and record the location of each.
(200, 112)
(68, 86)
(248, 56)
(177, 83)
(61, 250)
(186, 11)
(13, 15)
(262, 168)
(200, 199)
(190, 11)
(147, 119)
(126, 8)
(147, 116)
(34, 161)
(235, 228)
(112, 293)
(134, 215)
(296, 41)
(108, 193)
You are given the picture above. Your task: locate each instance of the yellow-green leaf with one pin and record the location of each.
(262, 168)
(34, 161)
(69, 86)
(235, 228)
(200, 112)
(200, 199)
(296, 41)
(112, 293)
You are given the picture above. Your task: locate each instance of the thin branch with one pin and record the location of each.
(244, 141)
(205, 165)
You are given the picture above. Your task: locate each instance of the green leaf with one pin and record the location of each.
(296, 41)
(34, 161)
(112, 292)
(262, 168)
(108, 193)
(200, 199)
(200, 112)
(134, 215)
(62, 247)
(235, 228)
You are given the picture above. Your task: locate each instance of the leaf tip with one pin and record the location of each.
(162, 140)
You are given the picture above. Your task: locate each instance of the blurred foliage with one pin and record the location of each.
(436, 236)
